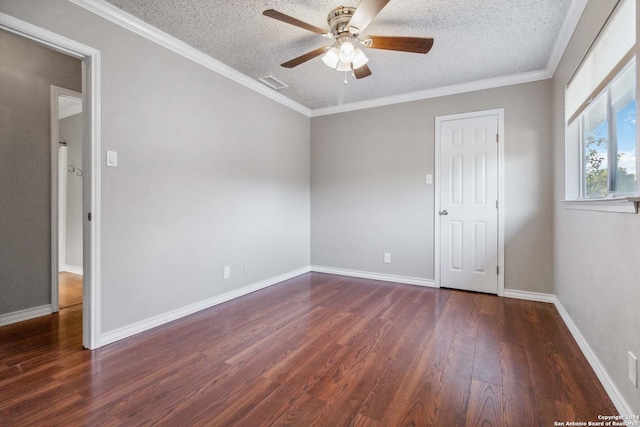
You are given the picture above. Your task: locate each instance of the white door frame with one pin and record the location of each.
(58, 193)
(62, 215)
(436, 250)
(91, 160)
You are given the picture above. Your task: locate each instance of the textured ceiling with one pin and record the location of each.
(474, 40)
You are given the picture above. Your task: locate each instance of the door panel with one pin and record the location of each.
(456, 246)
(468, 205)
(456, 180)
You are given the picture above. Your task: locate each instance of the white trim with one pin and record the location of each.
(91, 105)
(614, 394)
(612, 204)
(131, 23)
(568, 27)
(92, 200)
(374, 276)
(501, 191)
(123, 19)
(437, 92)
(62, 208)
(161, 319)
(72, 269)
(70, 109)
(566, 31)
(529, 296)
(502, 205)
(607, 383)
(22, 315)
(58, 192)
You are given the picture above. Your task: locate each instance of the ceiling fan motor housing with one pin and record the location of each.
(338, 20)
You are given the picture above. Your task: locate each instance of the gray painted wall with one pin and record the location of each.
(210, 173)
(71, 131)
(26, 73)
(368, 191)
(596, 253)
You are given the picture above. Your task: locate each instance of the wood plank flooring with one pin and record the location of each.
(318, 350)
(70, 289)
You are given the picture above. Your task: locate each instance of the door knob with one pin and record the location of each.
(444, 212)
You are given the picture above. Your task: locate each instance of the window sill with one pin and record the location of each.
(608, 204)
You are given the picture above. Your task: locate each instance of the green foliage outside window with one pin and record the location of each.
(596, 169)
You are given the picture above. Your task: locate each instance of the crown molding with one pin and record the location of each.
(436, 92)
(568, 27)
(131, 23)
(566, 32)
(123, 19)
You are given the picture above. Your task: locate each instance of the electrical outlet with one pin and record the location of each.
(633, 369)
(227, 272)
(245, 269)
(387, 258)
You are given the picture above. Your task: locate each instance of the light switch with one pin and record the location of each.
(112, 159)
(428, 179)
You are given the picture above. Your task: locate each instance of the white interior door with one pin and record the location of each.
(468, 205)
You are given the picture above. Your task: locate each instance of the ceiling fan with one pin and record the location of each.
(346, 24)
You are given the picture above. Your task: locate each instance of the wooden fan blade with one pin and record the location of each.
(362, 72)
(293, 21)
(304, 58)
(365, 13)
(404, 44)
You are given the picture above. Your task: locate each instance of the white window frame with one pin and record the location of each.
(574, 156)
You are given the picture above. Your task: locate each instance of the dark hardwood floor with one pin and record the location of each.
(315, 350)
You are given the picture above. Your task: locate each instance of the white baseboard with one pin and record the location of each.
(374, 276)
(529, 296)
(136, 328)
(71, 269)
(614, 394)
(27, 314)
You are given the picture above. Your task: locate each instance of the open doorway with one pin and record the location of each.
(90, 58)
(70, 175)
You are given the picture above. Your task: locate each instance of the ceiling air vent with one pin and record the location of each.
(273, 83)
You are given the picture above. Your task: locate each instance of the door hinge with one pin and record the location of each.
(498, 270)
(89, 216)
(497, 139)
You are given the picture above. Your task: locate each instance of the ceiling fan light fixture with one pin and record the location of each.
(331, 58)
(359, 59)
(347, 52)
(344, 66)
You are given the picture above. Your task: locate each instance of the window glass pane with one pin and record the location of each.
(595, 146)
(623, 94)
(626, 134)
